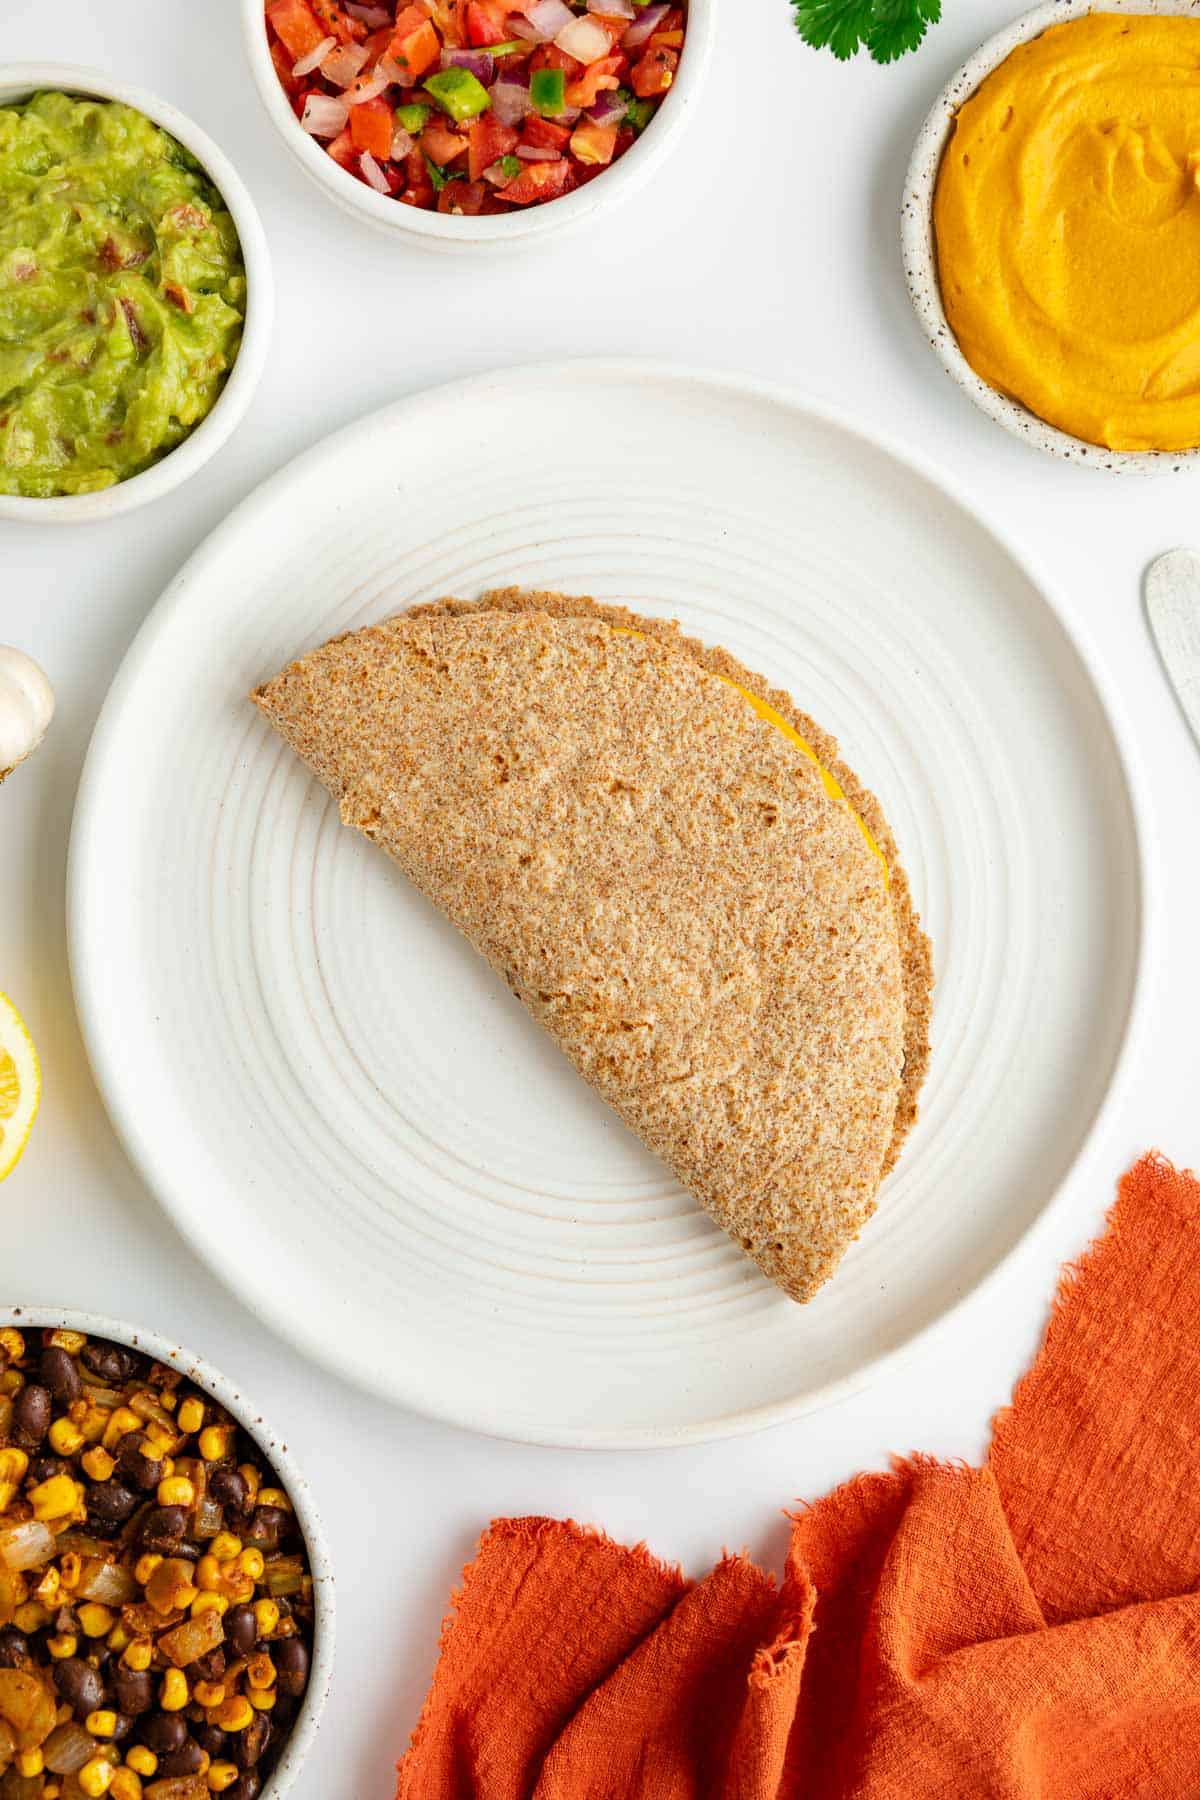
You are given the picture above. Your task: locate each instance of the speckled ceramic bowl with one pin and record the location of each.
(920, 254)
(275, 1451)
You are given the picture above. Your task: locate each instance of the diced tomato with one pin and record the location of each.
(485, 23)
(343, 151)
(376, 45)
(440, 144)
(540, 181)
(654, 74)
(419, 187)
(371, 127)
(297, 27)
(283, 60)
(549, 56)
(489, 140)
(415, 45)
(461, 197)
(543, 134)
(593, 144)
(599, 77)
(345, 29)
(671, 40)
(450, 17)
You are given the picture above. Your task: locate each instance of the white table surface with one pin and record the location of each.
(769, 244)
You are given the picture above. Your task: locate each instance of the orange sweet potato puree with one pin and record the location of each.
(1067, 223)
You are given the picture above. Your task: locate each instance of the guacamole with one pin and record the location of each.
(122, 294)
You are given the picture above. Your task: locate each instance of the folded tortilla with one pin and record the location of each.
(672, 869)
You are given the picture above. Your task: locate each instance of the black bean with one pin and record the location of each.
(111, 1501)
(291, 1661)
(185, 1761)
(266, 1527)
(229, 1488)
(122, 1726)
(212, 1739)
(59, 1374)
(110, 1362)
(164, 1733)
(43, 1467)
(14, 1647)
(162, 1528)
(241, 1628)
(249, 1745)
(248, 1788)
(210, 1667)
(134, 1691)
(79, 1685)
(135, 1470)
(31, 1415)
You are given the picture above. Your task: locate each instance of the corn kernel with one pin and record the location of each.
(14, 1465)
(225, 1547)
(240, 1588)
(222, 1775)
(260, 1671)
(30, 1763)
(145, 1566)
(161, 1440)
(65, 1438)
(47, 1588)
(63, 1713)
(252, 1479)
(205, 1763)
(262, 1699)
(190, 1416)
(51, 1791)
(11, 1382)
(70, 1569)
(126, 1785)
(62, 1646)
(216, 1441)
(12, 1341)
(97, 1462)
(208, 1693)
(173, 1694)
(236, 1714)
(97, 1620)
(120, 1423)
(70, 1341)
(141, 1760)
(273, 1496)
(176, 1491)
(30, 1616)
(251, 1563)
(118, 1638)
(96, 1777)
(101, 1723)
(93, 1422)
(169, 1399)
(209, 1603)
(56, 1498)
(138, 1655)
(168, 1467)
(267, 1615)
(208, 1574)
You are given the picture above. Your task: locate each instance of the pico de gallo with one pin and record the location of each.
(475, 106)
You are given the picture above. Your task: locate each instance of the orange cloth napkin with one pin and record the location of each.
(1025, 1629)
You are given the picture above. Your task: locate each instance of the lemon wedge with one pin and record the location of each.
(20, 1086)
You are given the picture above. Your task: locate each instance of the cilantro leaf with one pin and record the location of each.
(886, 28)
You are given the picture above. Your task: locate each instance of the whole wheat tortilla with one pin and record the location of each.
(663, 880)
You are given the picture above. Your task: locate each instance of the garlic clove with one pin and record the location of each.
(26, 707)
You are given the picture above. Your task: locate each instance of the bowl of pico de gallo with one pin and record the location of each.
(460, 123)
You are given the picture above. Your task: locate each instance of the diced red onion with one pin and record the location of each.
(537, 153)
(27, 1545)
(402, 143)
(614, 9)
(373, 17)
(344, 64)
(521, 28)
(363, 91)
(646, 24)
(583, 39)
(550, 16)
(323, 116)
(497, 175)
(308, 63)
(477, 62)
(609, 109)
(374, 173)
(67, 1748)
(510, 102)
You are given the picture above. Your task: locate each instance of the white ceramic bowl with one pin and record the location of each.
(440, 231)
(31, 1318)
(17, 82)
(920, 254)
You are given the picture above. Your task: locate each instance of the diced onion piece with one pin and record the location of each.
(377, 179)
(497, 176)
(387, 65)
(362, 91)
(67, 1748)
(614, 9)
(550, 16)
(646, 24)
(373, 17)
(344, 64)
(188, 1642)
(521, 28)
(308, 63)
(510, 102)
(402, 143)
(583, 39)
(537, 153)
(27, 1545)
(144, 1404)
(106, 1582)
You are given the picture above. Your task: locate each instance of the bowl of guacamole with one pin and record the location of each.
(134, 296)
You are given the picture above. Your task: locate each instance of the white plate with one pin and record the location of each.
(349, 1115)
